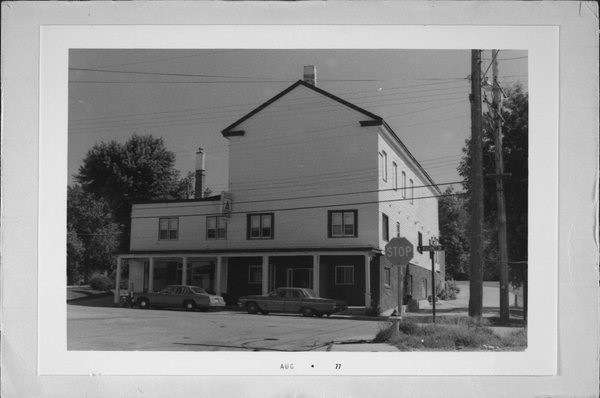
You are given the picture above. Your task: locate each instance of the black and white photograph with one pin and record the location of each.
(297, 200)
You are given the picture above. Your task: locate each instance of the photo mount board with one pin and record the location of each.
(541, 43)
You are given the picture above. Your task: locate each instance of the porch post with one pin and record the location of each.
(118, 281)
(265, 275)
(151, 274)
(184, 270)
(316, 273)
(218, 275)
(367, 280)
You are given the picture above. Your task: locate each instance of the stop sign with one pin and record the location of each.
(399, 251)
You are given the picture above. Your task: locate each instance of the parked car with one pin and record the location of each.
(179, 296)
(292, 299)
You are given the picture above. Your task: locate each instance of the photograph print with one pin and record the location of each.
(297, 200)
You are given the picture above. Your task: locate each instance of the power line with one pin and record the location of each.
(258, 102)
(298, 101)
(187, 121)
(310, 207)
(200, 204)
(162, 59)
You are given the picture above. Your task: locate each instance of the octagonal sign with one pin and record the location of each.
(399, 251)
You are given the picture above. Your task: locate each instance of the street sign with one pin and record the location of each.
(430, 248)
(226, 204)
(399, 251)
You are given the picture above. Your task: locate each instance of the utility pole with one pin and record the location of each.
(501, 210)
(476, 268)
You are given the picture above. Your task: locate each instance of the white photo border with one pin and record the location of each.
(541, 42)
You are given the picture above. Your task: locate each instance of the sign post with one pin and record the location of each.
(399, 251)
(432, 248)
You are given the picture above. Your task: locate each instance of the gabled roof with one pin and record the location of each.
(374, 119)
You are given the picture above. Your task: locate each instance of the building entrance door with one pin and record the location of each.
(299, 277)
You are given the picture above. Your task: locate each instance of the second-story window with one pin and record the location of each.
(168, 228)
(216, 227)
(260, 226)
(385, 225)
(398, 229)
(412, 191)
(384, 165)
(395, 167)
(342, 224)
(404, 185)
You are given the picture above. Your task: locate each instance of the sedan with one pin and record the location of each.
(292, 299)
(179, 296)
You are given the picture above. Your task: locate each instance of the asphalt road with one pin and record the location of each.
(105, 328)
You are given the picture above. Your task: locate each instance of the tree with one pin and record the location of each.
(515, 152)
(92, 235)
(142, 169)
(454, 235)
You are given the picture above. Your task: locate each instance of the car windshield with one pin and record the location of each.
(309, 293)
(197, 290)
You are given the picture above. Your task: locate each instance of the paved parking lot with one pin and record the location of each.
(106, 328)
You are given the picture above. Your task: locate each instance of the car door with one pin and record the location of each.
(293, 302)
(274, 302)
(161, 298)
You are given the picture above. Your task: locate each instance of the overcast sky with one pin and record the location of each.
(188, 96)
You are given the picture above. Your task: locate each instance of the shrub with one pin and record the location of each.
(451, 284)
(385, 334)
(449, 291)
(101, 282)
(408, 327)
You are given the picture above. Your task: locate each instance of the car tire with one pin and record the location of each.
(307, 311)
(252, 307)
(189, 305)
(143, 303)
(265, 312)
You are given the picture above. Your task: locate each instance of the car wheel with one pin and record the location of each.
(189, 306)
(143, 303)
(306, 311)
(265, 312)
(252, 308)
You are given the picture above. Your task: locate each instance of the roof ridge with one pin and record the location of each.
(318, 90)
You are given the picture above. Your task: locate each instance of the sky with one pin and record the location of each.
(189, 96)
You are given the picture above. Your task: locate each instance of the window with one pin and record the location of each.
(398, 229)
(216, 227)
(420, 240)
(344, 275)
(404, 185)
(388, 277)
(342, 224)
(255, 274)
(395, 166)
(260, 226)
(412, 191)
(383, 165)
(168, 228)
(385, 227)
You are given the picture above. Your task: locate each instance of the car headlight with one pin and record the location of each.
(214, 300)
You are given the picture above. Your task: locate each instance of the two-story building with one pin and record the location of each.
(317, 186)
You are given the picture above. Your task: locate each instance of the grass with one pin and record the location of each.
(451, 334)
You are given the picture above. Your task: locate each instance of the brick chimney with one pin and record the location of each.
(310, 74)
(200, 177)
